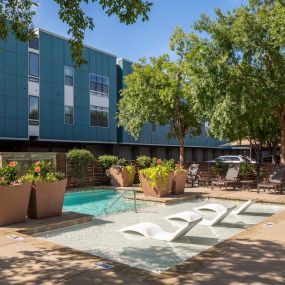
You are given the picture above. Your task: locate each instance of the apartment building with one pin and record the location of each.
(48, 105)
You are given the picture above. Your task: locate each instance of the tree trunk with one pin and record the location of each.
(274, 155)
(282, 142)
(181, 154)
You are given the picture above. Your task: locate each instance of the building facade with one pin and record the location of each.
(48, 105)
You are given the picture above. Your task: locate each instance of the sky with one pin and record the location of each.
(142, 39)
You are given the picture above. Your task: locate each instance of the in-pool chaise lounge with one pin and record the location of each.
(242, 208)
(222, 213)
(154, 231)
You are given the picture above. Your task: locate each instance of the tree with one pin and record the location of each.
(17, 17)
(239, 71)
(157, 91)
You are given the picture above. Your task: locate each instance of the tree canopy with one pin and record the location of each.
(17, 17)
(157, 91)
(238, 64)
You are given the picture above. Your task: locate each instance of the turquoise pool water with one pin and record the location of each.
(98, 202)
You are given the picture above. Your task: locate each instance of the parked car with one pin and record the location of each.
(233, 159)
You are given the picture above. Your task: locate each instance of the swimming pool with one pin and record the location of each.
(98, 202)
(102, 238)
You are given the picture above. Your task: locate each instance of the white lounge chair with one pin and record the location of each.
(187, 216)
(154, 231)
(244, 206)
(222, 213)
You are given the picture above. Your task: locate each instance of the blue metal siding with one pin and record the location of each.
(160, 136)
(54, 55)
(13, 89)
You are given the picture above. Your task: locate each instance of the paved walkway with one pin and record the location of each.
(255, 256)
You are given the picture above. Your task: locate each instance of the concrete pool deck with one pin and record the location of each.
(254, 256)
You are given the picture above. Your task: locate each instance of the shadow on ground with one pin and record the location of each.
(232, 262)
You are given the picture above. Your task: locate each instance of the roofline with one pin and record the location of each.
(66, 39)
(122, 58)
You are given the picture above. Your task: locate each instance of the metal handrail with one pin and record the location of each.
(122, 195)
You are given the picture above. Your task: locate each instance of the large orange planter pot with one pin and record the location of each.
(120, 178)
(158, 191)
(47, 199)
(14, 201)
(179, 182)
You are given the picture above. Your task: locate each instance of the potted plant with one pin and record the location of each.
(47, 192)
(156, 181)
(122, 174)
(14, 197)
(179, 180)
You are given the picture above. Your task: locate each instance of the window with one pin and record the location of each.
(105, 85)
(68, 76)
(33, 110)
(93, 82)
(99, 116)
(33, 64)
(34, 43)
(99, 83)
(68, 115)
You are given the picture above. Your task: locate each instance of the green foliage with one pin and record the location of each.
(245, 169)
(169, 164)
(143, 161)
(152, 174)
(107, 161)
(220, 168)
(17, 17)
(79, 156)
(8, 173)
(120, 163)
(238, 66)
(131, 173)
(169, 99)
(41, 171)
(179, 168)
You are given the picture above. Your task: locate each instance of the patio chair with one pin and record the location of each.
(231, 179)
(222, 213)
(275, 181)
(154, 231)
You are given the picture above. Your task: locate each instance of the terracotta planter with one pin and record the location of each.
(157, 191)
(179, 182)
(14, 201)
(47, 199)
(120, 178)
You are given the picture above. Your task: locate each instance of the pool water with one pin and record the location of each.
(102, 237)
(98, 202)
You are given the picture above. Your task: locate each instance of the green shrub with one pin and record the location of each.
(107, 161)
(245, 169)
(169, 164)
(143, 161)
(220, 168)
(79, 156)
